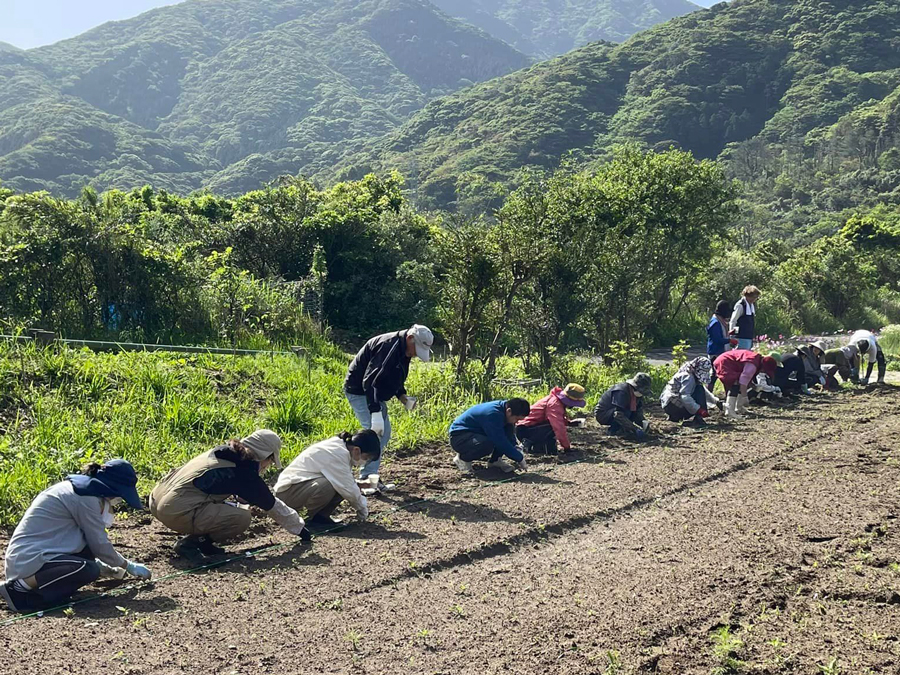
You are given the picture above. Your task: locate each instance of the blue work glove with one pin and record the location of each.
(138, 570)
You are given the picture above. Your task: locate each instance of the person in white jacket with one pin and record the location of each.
(869, 348)
(321, 477)
(686, 396)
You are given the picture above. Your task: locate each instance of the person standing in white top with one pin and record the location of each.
(869, 347)
(321, 477)
(743, 318)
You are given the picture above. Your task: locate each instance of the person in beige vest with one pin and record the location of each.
(195, 500)
(321, 477)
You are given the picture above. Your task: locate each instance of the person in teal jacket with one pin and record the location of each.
(488, 429)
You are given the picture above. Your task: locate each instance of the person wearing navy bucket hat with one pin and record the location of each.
(62, 544)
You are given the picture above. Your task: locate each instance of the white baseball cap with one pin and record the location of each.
(424, 338)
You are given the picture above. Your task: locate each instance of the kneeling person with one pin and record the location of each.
(193, 500)
(61, 544)
(622, 407)
(488, 430)
(321, 477)
(869, 348)
(546, 423)
(686, 396)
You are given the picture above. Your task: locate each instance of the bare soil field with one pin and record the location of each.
(768, 546)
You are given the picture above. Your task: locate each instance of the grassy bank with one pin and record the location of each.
(60, 408)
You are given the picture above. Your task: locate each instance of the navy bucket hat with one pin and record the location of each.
(116, 478)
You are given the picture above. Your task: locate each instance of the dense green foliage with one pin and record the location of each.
(546, 28)
(60, 408)
(228, 94)
(798, 97)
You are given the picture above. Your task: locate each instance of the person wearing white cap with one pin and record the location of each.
(194, 500)
(377, 374)
(869, 348)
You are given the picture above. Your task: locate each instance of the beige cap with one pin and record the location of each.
(264, 443)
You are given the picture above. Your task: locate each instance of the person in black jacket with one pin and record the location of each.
(622, 407)
(377, 374)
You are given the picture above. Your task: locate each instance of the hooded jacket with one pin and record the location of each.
(811, 362)
(550, 410)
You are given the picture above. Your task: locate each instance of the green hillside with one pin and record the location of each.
(546, 28)
(228, 93)
(799, 97)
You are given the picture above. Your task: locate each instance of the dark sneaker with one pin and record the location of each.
(19, 601)
(207, 547)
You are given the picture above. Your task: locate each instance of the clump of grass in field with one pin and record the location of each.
(61, 408)
(726, 650)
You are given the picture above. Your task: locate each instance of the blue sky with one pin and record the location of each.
(31, 23)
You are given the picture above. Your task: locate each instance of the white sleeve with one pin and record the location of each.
(762, 383)
(711, 399)
(735, 315)
(340, 475)
(285, 516)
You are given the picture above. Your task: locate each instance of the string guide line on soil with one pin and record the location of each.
(252, 553)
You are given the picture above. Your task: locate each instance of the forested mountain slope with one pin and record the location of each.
(798, 92)
(228, 93)
(546, 28)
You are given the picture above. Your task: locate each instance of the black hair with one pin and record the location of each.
(244, 453)
(91, 469)
(519, 407)
(366, 440)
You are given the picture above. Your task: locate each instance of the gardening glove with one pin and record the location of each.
(285, 516)
(577, 422)
(734, 342)
(822, 380)
(378, 423)
(522, 465)
(703, 412)
(640, 434)
(138, 570)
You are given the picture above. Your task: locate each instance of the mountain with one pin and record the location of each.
(547, 28)
(229, 93)
(802, 93)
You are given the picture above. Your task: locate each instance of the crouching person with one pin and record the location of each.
(844, 361)
(621, 407)
(61, 543)
(811, 356)
(737, 369)
(321, 477)
(488, 430)
(194, 500)
(868, 347)
(546, 424)
(686, 397)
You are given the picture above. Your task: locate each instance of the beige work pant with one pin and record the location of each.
(317, 496)
(219, 520)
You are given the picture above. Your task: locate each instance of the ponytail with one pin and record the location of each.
(346, 436)
(91, 469)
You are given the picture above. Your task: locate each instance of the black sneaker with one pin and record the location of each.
(20, 601)
(324, 524)
(197, 547)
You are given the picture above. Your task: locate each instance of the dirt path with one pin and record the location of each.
(781, 531)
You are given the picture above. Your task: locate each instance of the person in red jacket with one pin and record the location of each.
(736, 369)
(547, 422)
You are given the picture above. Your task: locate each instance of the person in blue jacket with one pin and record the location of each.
(717, 339)
(488, 429)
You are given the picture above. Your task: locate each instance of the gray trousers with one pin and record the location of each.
(317, 496)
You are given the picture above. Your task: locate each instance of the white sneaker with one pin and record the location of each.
(465, 467)
(503, 465)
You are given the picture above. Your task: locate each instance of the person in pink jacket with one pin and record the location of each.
(547, 423)
(737, 369)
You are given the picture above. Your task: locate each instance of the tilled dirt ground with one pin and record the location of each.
(768, 546)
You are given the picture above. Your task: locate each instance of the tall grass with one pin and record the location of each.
(60, 408)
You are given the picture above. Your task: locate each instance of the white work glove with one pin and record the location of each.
(378, 423)
(285, 516)
(579, 422)
(138, 570)
(522, 465)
